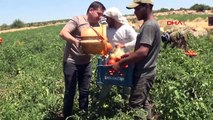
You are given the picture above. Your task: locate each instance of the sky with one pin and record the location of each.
(30, 11)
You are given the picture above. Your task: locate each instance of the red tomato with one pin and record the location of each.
(1, 40)
(109, 46)
(111, 62)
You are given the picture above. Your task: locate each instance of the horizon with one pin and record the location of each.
(43, 11)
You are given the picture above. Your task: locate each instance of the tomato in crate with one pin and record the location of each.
(108, 76)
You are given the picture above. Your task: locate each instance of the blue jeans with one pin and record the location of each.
(73, 75)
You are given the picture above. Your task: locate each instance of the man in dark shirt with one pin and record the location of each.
(144, 57)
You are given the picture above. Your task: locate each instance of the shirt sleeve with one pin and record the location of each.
(132, 35)
(72, 24)
(148, 34)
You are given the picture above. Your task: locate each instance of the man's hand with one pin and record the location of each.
(125, 55)
(116, 66)
(119, 45)
(77, 43)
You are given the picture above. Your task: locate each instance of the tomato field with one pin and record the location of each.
(32, 86)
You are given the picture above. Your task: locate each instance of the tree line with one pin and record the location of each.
(196, 7)
(19, 23)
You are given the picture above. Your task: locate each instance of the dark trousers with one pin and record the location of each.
(139, 95)
(74, 74)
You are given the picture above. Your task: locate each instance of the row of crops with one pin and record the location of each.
(31, 81)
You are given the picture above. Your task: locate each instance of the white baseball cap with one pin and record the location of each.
(115, 14)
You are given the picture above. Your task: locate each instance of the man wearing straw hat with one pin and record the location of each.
(144, 57)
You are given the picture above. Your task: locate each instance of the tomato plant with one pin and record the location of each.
(32, 83)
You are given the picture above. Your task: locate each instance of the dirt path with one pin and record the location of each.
(27, 28)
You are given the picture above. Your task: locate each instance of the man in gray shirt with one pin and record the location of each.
(144, 57)
(77, 66)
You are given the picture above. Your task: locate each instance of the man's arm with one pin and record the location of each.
(65, 34)
(130, 38)
(136, 56)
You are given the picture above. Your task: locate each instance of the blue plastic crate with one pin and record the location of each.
(107, 76)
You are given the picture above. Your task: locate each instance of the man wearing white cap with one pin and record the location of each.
(144, 56)
(120, 34)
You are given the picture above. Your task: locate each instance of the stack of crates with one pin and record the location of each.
(106, 75)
